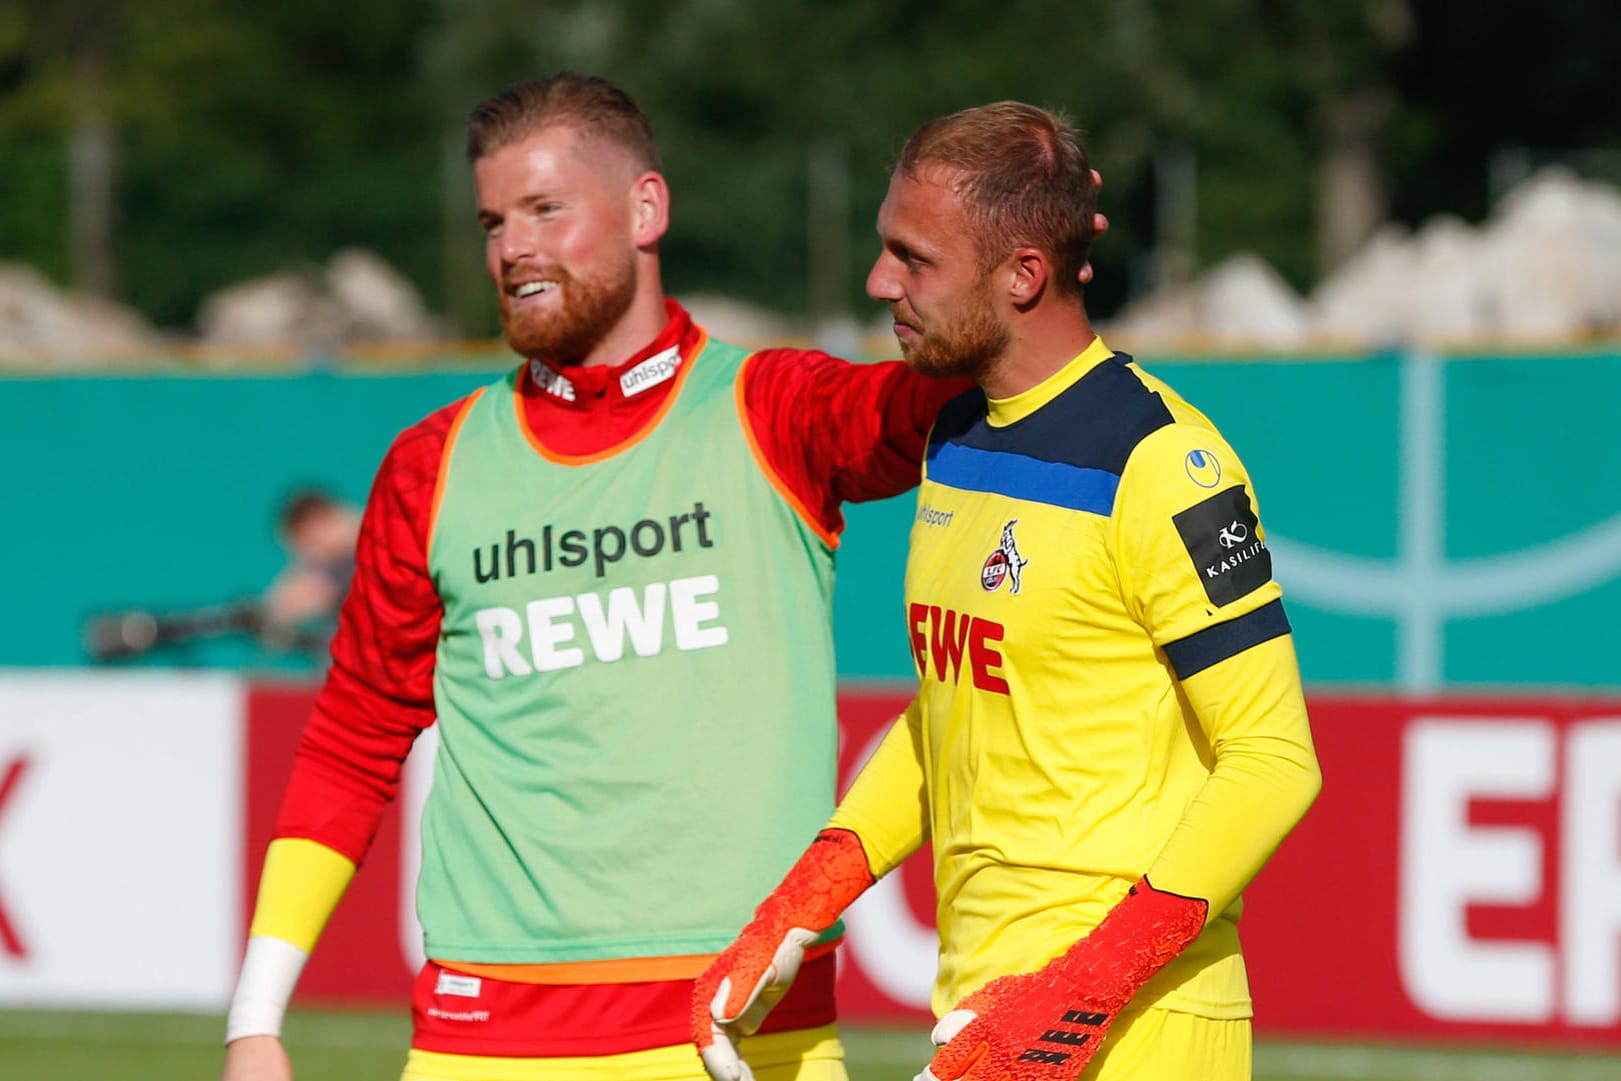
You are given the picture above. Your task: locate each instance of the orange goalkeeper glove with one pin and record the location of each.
(1046, 1025)
(751, 975)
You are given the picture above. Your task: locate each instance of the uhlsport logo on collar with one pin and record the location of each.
(651, 372)
(1003, 564)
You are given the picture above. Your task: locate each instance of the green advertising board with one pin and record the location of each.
(1436, 523)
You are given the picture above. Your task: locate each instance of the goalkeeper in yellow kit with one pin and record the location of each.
(1110, 737)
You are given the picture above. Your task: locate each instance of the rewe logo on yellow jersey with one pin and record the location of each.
(943, 637)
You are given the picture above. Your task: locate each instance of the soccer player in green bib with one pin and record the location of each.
(1110, 736)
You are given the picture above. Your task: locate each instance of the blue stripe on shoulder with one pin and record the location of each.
(1021, 477)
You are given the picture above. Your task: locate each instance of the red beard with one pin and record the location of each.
(967, 345)
(564, 332)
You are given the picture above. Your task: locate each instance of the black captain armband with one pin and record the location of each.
(1213, 645)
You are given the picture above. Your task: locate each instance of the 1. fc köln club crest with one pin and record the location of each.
(1004, 564)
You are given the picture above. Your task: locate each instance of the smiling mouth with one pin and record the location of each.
(529, 289)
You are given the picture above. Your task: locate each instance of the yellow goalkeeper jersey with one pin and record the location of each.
(1107, 683)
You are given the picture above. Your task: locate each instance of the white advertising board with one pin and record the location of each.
(120, 838)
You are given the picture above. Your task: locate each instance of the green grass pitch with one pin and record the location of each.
(356, 1046)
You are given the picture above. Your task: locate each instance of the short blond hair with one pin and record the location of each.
(586, 102)
(1024, 180)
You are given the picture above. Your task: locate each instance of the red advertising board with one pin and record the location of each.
(1459, 878)
(360, 955)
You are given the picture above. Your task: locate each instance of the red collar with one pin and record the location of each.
(650, 367)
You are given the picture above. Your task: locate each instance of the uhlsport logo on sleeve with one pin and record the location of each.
(1004, 564)
(1223, 539)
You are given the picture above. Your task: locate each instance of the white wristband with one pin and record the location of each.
(269, 971)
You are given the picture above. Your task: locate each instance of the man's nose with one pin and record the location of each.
(517, 241)
(881, 279)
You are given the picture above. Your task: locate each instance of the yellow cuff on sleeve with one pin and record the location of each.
(302, 883)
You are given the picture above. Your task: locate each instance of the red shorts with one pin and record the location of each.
(457, 1014)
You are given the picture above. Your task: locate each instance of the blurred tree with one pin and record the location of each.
(56, 63)
(270, 136)
(235, 139)
(33, 183)
(220, 140)
(90, 33)
(1536, 79)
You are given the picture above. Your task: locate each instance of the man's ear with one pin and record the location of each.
(650, 209)
(1028, 272)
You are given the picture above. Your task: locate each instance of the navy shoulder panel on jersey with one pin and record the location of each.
(958, 416)
(1069, 453)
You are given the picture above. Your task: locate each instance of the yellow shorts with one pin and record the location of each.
(812, 1054)
(1159, 1045)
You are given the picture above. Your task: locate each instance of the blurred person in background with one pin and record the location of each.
(296, 613)
(607, 577)
(1110, 737)
(319, 531)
